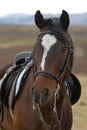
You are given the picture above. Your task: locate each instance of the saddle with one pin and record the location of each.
(23, 61)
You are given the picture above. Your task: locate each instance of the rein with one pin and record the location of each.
(59, 80)
(55, 121)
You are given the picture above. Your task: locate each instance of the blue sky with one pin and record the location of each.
(46, 6)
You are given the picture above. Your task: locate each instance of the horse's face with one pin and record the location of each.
(52, 56)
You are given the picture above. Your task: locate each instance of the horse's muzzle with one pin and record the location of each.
(40, 97)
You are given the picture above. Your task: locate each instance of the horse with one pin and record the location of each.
(44, 101)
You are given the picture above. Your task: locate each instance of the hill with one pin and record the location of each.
(20, 18)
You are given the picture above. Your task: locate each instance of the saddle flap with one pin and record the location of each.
(7, 85)
(75, 88)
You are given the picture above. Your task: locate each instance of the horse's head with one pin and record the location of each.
(53, 56)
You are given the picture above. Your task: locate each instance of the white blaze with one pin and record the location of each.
(47, 42)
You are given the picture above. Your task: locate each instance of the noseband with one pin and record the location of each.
(59, 80)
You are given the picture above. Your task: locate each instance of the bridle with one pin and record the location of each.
(59, 80)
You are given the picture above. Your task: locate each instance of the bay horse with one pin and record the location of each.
(44, 102)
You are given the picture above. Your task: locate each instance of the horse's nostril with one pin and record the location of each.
(35, 94)
(45, 93)
(40, 96)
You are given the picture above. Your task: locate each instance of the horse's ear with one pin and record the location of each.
(64, 20)
(39, 19)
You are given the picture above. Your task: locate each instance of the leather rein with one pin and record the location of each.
(59, 80)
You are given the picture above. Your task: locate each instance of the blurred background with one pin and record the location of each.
(18, 33)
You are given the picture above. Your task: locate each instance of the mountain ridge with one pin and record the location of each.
(23, 18)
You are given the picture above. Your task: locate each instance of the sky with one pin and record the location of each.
(46, 6)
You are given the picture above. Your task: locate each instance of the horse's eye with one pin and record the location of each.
(64, 49)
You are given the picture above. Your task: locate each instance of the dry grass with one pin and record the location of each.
(80, 109)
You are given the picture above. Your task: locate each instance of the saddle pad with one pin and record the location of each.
(7, 84)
